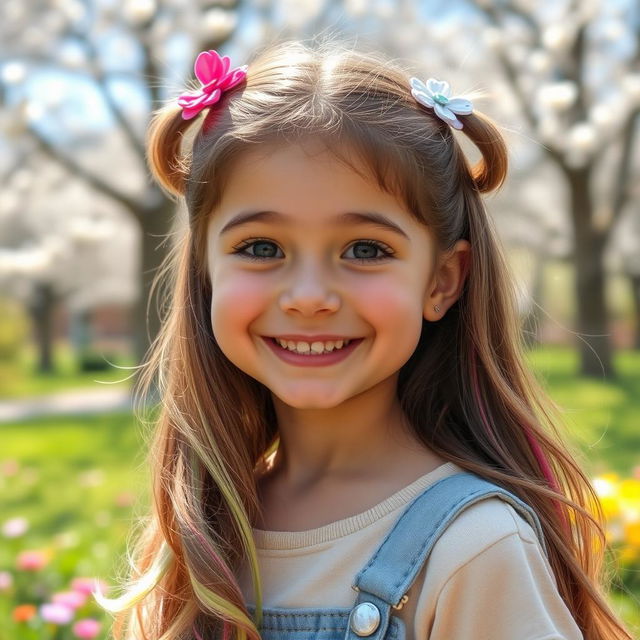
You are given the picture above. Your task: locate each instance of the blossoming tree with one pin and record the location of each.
(573, 69)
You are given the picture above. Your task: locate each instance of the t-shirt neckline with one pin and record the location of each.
(265, 539)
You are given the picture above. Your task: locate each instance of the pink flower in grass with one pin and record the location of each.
(89, 585)
(71, 599)
(56, 613)
(213, 72)
(15, 527)
(6, 580)
(32, 560)
(9, 467)
(86, 629)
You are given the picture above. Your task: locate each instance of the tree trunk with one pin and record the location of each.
(592, 327)
(41, 310)
(634, 278)
(154, 247)
(532, 319)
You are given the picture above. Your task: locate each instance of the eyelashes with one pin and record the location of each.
(387, 252)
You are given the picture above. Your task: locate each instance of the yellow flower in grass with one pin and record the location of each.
(629, 494)
(606, 487)
(629, 555)
(632, 533)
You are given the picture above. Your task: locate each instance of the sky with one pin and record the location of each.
(68, 106)
(65, 105)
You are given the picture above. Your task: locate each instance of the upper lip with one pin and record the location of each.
(319, 338)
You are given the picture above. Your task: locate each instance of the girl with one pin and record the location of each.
(349, 443)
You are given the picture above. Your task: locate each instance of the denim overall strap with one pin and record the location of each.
(393, 568)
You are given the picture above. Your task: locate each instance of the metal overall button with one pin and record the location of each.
(365, 619)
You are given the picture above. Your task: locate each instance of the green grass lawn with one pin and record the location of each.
(80, 480)
(20, 379)
(79, 483)
(603, 416)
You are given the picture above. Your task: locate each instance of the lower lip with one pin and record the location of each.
(318, 360)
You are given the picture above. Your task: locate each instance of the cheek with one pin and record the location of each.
(235, 302)
(390, 304)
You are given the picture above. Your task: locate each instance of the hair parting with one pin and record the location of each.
(466, 390)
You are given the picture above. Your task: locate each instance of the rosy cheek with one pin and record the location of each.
(386, 300)
(236, 301)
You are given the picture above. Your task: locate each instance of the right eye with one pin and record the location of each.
(241, 249)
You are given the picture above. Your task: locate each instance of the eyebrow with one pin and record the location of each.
(343, 219)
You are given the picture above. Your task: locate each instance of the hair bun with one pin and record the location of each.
(164, 142)
(490, 172)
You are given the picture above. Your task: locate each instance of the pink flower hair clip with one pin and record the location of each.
(213, 72)
(436, 95)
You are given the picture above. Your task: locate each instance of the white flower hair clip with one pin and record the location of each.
(436, 95)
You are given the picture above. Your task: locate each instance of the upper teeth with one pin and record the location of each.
(313, 347)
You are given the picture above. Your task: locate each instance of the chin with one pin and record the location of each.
(309, 400)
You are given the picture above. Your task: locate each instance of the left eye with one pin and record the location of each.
(263, 250)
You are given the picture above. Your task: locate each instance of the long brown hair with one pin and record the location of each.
(465, 390)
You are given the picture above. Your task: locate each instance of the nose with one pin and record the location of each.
(309, 289)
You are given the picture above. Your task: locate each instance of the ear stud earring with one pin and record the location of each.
(436, 308)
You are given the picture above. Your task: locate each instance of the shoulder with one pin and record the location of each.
(477, 529)
(487, 576)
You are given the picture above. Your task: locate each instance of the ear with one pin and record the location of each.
(445, 287)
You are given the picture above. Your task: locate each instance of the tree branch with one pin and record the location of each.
(509, 68)
(622, 180)
(101, 80)
(73, 167)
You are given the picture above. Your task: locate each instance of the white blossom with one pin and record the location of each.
(582, 138)
(88, 231)
(539, 61)
(558, 36)
(612, 30)
(606, 116)
(29, 262)
(631, 87)
(588, 10)
(138, 12)
(72, 56)
(13, 72)
(558, 96)
(71, 9)
(218, 23)
(356, 8)
(34, 111)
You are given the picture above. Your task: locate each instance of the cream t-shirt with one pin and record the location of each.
(486, 579)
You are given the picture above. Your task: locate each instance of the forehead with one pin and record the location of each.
(303, 179)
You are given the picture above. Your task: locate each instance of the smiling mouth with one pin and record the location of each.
(345, 343)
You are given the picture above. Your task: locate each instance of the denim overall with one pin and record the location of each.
(384, 580)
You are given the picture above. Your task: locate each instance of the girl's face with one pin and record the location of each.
(308, 268)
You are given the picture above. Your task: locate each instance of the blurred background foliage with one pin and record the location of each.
(81, 228)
